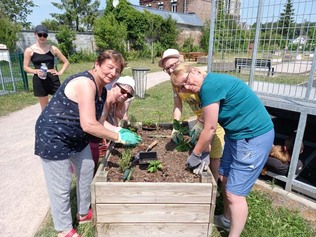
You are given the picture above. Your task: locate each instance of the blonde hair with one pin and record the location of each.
(284, 153)
(179, 71)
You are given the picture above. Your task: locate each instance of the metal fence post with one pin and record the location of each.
(140, 77)
(23, 73)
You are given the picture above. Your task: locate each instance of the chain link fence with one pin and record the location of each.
(271, 45)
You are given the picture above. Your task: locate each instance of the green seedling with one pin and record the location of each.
(154, 166)
(125, 160)
(184, 145)
(184, 130)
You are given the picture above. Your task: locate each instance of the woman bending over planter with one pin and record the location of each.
(249, 136)
(62, 134)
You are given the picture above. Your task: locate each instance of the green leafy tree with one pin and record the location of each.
(143, 28)
(109, 33)
(50, 24)
(78, 14)
(8, 32)
(286, 20)
(205, 37)
(65, 38)
(17, 10)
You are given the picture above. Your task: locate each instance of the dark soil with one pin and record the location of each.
(174, 169)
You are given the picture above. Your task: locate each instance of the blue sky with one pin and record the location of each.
(45, 7)
(305, 10)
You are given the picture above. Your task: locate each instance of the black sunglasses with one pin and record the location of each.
(123, 91)
(42, 35)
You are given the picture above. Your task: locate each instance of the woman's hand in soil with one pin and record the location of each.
(128, 137)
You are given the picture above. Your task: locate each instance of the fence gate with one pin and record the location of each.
(6, 75)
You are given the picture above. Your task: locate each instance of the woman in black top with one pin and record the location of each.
(39, 53)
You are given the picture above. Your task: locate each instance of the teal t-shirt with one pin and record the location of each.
(241, 112)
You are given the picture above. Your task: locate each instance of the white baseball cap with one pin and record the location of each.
(127, 80)
(169, 53)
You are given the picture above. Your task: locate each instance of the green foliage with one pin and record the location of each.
(17, 11)
(8, 32)
(205, 37)
(188, 45)
(154, 166)
(143, 28)
(50, 24)
(286, 20)
(183, 145)
(82, 56)
(126, 159)
(110, 33)
(77, 13)
(65, 38)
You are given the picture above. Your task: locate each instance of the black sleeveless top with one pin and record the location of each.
(58, 133)
(48, 58)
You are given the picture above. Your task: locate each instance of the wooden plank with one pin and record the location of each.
(138, 192)
(145, 213)
(152, 230)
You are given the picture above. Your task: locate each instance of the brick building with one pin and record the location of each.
(202, 8)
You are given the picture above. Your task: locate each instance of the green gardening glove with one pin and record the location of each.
(195, 132)
(127, 137)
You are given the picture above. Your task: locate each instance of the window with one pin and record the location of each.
(160, 5)
(173, 5)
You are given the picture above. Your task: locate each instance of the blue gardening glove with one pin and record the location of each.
(128, 137)
(198, 163)
(176, 135)
(195, 132)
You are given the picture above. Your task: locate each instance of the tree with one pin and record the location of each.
(51, 25)
(8, 32)
(79, 15)
(65, 38)
(286, 20)
(17, 10)
(110, 34)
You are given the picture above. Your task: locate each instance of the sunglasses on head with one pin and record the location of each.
(123, 91)
(42, 35)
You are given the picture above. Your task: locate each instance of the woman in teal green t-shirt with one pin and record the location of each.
(249, 136)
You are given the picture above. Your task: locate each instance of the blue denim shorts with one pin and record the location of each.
(243, 161)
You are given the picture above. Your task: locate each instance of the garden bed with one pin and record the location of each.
(170, 202)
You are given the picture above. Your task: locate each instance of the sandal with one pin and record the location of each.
(85, 219)
(71, 233)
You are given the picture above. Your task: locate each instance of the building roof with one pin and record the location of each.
(181, 18)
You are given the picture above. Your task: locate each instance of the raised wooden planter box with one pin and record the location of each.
(147, 209)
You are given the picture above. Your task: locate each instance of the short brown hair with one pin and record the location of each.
(115, 56)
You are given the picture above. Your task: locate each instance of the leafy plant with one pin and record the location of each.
(184, 144)
(154, 166)
(126, 160)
